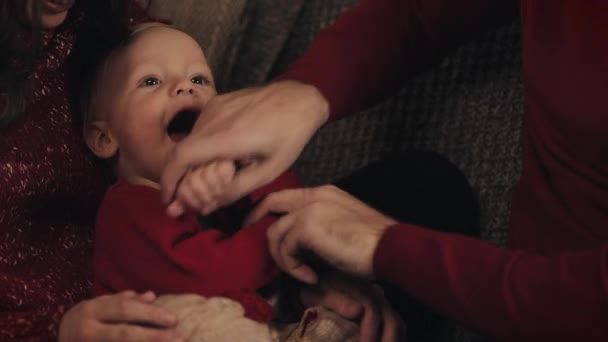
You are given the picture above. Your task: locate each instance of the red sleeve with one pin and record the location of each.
(508, 295)
(372, 47)
(139, 247)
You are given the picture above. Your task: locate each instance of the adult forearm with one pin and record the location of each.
(371, 48)
(504, 294)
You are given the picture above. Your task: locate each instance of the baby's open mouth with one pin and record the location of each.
(182, 123)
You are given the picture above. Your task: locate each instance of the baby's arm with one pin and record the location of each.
(142, 248)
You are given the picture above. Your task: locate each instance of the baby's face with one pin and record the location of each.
(151, 93)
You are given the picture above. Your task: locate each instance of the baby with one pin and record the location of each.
(144, 99)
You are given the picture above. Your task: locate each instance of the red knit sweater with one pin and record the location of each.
(137, 246)
(552, 284)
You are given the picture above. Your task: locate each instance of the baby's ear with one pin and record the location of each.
(100, 140)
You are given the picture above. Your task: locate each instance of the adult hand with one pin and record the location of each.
(357, 300)
(268, 127)
(126, 316)
(326, 221)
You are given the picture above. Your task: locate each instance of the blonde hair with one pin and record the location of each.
(89, 101)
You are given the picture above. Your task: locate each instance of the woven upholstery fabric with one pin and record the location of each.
(267, 27)
(314, 16)
(277, 32)
(468, 108)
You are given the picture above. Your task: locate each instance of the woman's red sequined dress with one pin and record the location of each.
(50, 187)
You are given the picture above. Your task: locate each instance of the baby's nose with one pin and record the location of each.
(184, 91)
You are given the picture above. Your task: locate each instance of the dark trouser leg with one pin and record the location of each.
(425, 189)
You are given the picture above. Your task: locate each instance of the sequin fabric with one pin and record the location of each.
(49, 190)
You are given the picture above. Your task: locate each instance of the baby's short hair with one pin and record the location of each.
(90, 79)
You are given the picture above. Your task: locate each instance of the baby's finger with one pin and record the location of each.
(186, 194)
(176, 209)
(214, 183)
(197, 182)
(225, 170)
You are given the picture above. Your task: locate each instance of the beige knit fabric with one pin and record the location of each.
(319, 325)
(220, 319)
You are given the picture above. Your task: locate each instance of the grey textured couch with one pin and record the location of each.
(468, 107)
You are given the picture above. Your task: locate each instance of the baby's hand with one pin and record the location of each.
(202, 188)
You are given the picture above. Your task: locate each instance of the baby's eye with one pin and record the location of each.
(199, 80)
(151, 81)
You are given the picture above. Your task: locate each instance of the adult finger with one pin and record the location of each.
(115, 309)
(370, 323)
(289, 200)
(283, 245)
(332, 193)
(134, 333)
(388, 327)
(289, 251)
(284, 201)
(276, 233)
(391, 326)
(393, 329)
